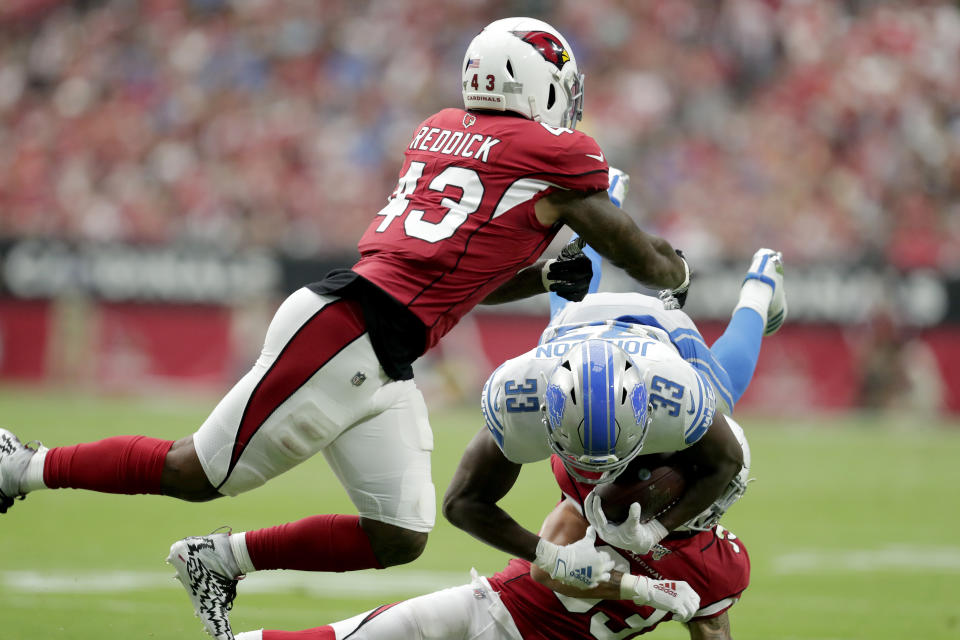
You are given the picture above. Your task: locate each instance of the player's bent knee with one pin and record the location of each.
(393, 545)
(400, 549)
(183, 475)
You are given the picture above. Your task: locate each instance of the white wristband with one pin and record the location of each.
(546, 555)
(543, 274)
(544, 547)
(659, 529)
(628, 586)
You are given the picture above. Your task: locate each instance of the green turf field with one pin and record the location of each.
(852, 527)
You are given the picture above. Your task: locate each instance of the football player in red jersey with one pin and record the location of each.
(694, 575)
(482, 192)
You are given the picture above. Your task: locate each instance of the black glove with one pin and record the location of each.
(676, 298)
(569, 275)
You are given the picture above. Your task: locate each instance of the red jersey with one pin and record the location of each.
(461, 221)
(715, 563)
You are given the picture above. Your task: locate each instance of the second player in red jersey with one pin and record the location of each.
(714, 562)
(518, 604)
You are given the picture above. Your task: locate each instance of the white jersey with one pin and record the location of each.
(682, 399)
(673, 326)
(599, 307)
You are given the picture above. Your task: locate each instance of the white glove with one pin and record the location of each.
(675, 596)
(578, 564)
(630, 534)
(619, 183)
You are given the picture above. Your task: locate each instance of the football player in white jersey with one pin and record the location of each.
(683, 387)
(694, 576)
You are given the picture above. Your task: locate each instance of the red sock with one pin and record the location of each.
(319, 633)
(123, 464)
(317, 543)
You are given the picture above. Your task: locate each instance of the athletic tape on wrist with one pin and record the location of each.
(543, 274)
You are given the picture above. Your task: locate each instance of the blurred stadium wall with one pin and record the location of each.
(169, 169)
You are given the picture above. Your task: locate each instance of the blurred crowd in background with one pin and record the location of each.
(830, 130)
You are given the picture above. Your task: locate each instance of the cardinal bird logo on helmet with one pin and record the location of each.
(547, 44)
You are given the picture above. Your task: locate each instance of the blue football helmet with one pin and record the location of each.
(596, 410)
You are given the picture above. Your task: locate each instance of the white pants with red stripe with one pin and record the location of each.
(468, 612)
(318, 387)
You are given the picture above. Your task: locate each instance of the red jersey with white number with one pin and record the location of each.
(715, 563)
(461, 221)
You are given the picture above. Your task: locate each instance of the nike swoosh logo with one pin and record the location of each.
(598, 158)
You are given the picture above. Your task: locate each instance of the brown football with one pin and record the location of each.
(656, 489)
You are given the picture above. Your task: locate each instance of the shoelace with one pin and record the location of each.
(230, 592)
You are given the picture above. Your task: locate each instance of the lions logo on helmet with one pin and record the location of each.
(554, 405)
(596, 410)
(547, 44)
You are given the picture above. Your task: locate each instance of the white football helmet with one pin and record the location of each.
(710, 516)
(525, 66)
(596, 410)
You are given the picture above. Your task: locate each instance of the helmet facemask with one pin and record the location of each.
(573, 87)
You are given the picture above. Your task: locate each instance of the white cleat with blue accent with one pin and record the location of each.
(767, 267)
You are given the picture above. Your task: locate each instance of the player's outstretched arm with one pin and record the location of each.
(717, 628)
(484, 476)
(527, 282)
(568, 276)
(647, 258)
